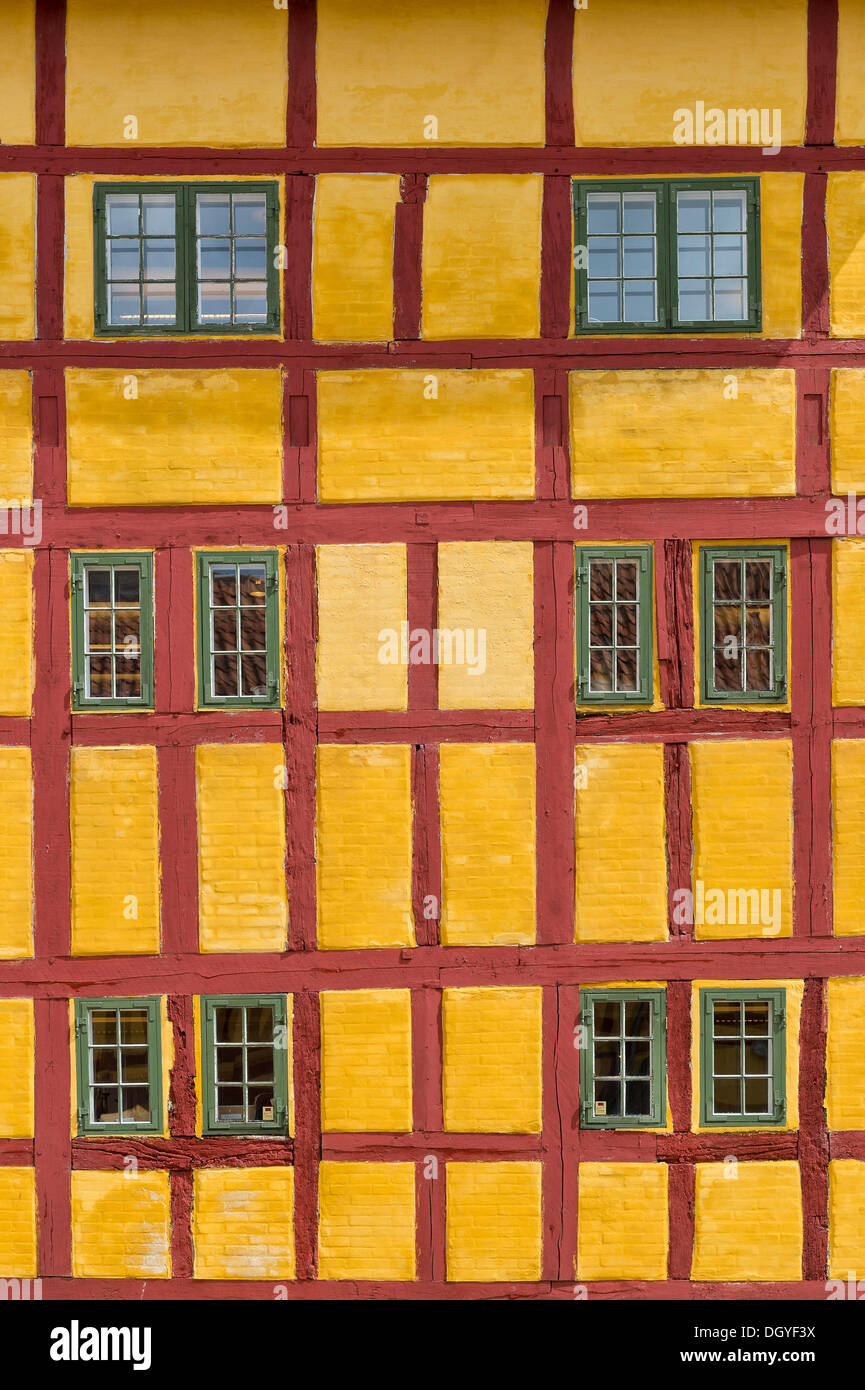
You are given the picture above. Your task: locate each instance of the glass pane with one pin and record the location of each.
(639, 212)
(250, 259)
(259, 1062)
(213, 214)
(601, 573)
(600, 669)
(637, 1059)
(126, 630)
(694, 256)
(728, 622)
(758, 579)
(728, 671)
(757, 1096)
(136, 1104)
(694, 300)
(758, 670)
(123, 260)
(99, 631)
(126, 586)
(757, 1057)
(693, 210)
(103, 1026)
(99, 677)
(157, 210)
(727, 1058)
(133, 1026)
(104, 1104)
(729, 255)
(214, 259)
(727, 1019)
(229, 1025)
(638, 1097)
(214, 303)
(626, 625)
(729, 211)
(259, 1024)
(626, 669)
(225, 675)
(159, 304)
(601, 624)
(609, 1094)
(607, 1017)
(638, 1019)
(626, 579)
(128, 678)
(252, 629)
(122, 214)
(104, 1064)
(608, 1058)
(640, 301)
(252, 585)
(224, 637)
(253, 675)
(124, 305)
(728, 579)
(159, 260)
(134, 1064)
(731, 299)
(250, 211)
(250, 302)
(604, 261)
(223, 584)
(758, 626)
(603, 213)
(728, 1092)
(604, 303)
(229, 1063)
(98, 587)
(757, 1016)
(229, 1104)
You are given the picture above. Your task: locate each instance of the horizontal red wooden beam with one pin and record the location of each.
(180, 1153)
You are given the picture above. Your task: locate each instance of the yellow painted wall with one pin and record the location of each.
(850, 92)
(492, 1060)
(845, 225)
(848, 834)
(676, 434)
(198, 1082)
(115, 851)
(487, 795)
(16, 631)
(623, 1226)
(352, 267)
(16, 436)
(748, 1227)
(194, 87)
(366, 1060)
(482, 256)
(393, 434)
(18, 72)
(621, 843)
(384, 69)
(17, 249)
(16, 1069)
(742, 812)
(781, 254)
(735, 55)
(188, 436)
(363, 841)
(494, 1222)
(848, 633)
(845, 1060)
(366, 1221)
(794, 992)
(488, 587)
(17, 1223)
(846, 1219)
(361, 593)
(242, 1223)
(120, 1225)
(847, 429)
(16, 853)
(243, 903)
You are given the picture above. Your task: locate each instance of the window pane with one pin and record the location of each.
(607, 1017)
(729, 211)
(638, 1019)
(638, 1098)
(731, 299)
(103, 1026)
(229, 1024)
(252, 629)
(159, 305)
(99, 631)
(123, 260)
(126, 586)
(757, 1017)
(626, 669)
(640, 302)
(626, 584)
(609, 1094)
(229, 1104)
(124, 305)
(250, 302)
(122, 214)
(637, 1059)
(99, 677)
(128, 678)
(250, 258)
(214, 259)
(225, 675)
(758, 670)
(728, 579)
(229, 1063)
(604, 261)
(728, 1093)
(757, 1096)
(603, 213)
(608, 1058)
(223, 584)
(693, 210)
(259, 1062)
(104, 1064)
(626, 624)
(757, 1057)
(728, 671)
(601, 624)
(134, 1064)
(694, 256)
(728, 622)
(224, 630)
(639, 212)
(604, 303)
(250, 214)
(727, 1019)
(98, 587)
(727, 1058)
(213, 214)
(259, 1024)
(600, 669)
(729, 255)
(252, 585)
(758, 626)
(157, 210)
(253, 670)
(105, 1100)
(601, 572)
(133, 1026)
(136, 1104)
(694, 300)
(214, 303)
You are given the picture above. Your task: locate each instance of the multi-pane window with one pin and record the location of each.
(186, 258)
(245, 1060)
(118, 1065)
(622, 1058)
(743, 607)
(743, 1056)
(614, 624)
(238, 628)
(112, 630)
(667, 255)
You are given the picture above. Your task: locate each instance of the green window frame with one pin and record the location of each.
(670, 255)
(227, 1062)
(614, 614)
(759, 1072)
(224, 653)
(135, 1044)
(623, 1058)
(177, 258)
(104, 656)
(743, 624)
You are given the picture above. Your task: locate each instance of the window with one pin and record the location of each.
(623, 1058)
(743, 608)
(112, 631)
(186, 258)
(245, 1058)
(742, 1049)
(238, 628)
(667, 255)
(614, 624)
(118, 1066)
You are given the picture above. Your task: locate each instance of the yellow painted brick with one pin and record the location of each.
(846, 1218)
(850, 96)
(781, 254)
(16, 853)
(16, 437)
(16, 631)
(848, 631)
(845, 226)
(677, 434)
(366, 1080)
(487, 796)
(848, 835)
(242, 1223)
(621, 847)
(17, 1065)
(17, 254)
(793, 993)
(361, 594)
(120, 1225)
(486, 593)
(847, 429)
(17, 1223)
(623, 1221)
(243, 905)
(194, 88)
(845, 1059)
(115, 851)
(366, 1221)
(18, 72)
(477, 68)
(494, 1222)
(492, 1060)
(742, 795)
(352, 269)
(364, 846)
(481, 273)
(393, 434)
(200, 437)
(749, 1226)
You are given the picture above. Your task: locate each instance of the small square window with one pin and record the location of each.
(238, 628)
(118, 1060)
(622, 1058)
(742, 1051)
(614, 624)
(112, 631)
(245, 1061)
(743, 624)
